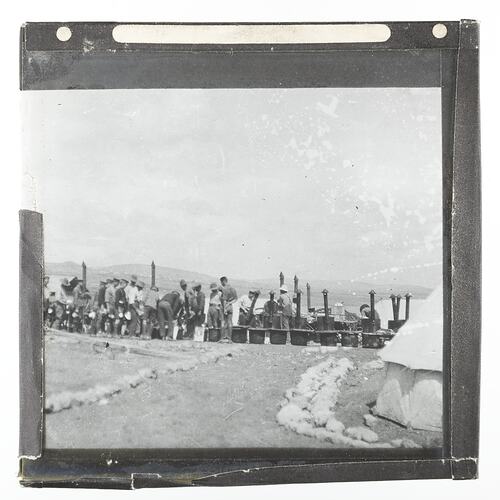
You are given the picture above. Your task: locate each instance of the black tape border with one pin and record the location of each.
(462, 259)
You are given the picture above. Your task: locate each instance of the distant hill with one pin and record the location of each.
(352, 294)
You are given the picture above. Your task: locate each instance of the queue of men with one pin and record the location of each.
(124, 306)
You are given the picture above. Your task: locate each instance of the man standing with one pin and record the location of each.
(109, 295)
(134, 299)
(121, 308)
(100, 297)
(168, 308)
(228, 298)
(131, 289)
(132, 293)
(245, 305)
(198, 308)
(150, 300)
(64, 305)
(79, 301)
(99, 308)
(121, 295)
(270, 310)
(187, 297)
(214, 307)
(285, 308)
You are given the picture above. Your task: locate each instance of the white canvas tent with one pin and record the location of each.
(412, 390)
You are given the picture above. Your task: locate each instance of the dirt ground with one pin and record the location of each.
(204, 395)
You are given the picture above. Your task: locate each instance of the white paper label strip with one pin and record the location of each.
(251, 33)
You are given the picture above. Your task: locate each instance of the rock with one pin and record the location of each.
(370, 420)
(334, 425)
(362, 434)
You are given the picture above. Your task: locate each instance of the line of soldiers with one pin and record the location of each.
(126, 306)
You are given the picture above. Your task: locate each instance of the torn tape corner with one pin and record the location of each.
(30, 457)
(464, 468)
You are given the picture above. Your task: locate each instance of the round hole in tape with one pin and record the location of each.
(63, 33)
(439, 30)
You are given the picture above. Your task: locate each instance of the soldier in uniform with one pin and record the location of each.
(186, 314)
(132, 294)
(270, 310)
(99, 307)
(169, 308)
(228, 298)
(245, 305)
(198, 307)
(285, 308)
(109, 295)
(214, 318)
(79, 299)
(120, 294)
(150, 300)
(64, 304)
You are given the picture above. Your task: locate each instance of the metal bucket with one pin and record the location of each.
(277, 336)
(299, 337)
(395, 324)
(373, 340)
(366, 325)
(349, 339)
(256, 335)
(213, 334)
(239, 335)
(328, 337)
(324, 324)
(387, 336)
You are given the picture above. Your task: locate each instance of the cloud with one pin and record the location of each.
(344, 180)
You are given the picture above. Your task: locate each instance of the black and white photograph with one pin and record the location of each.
(239, 268)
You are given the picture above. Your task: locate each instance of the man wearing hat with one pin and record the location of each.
(214, 318)
(270, 310)
(150, 301)
(99, 307)
(198, 308)
(79, 298)
(228, 298)
(120, 294)
(186, 297)
(109, 295)
(110, 300)
(245, 305)
(131, 289)
(134, 297)
(285, 308)
(64, 303)
(100, 296)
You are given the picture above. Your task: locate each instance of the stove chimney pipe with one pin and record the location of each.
(372, 310)
(407, 312)
(325, 302)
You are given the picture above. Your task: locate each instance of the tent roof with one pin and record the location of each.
(419, 343)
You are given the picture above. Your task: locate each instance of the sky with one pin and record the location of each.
(322, 183)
